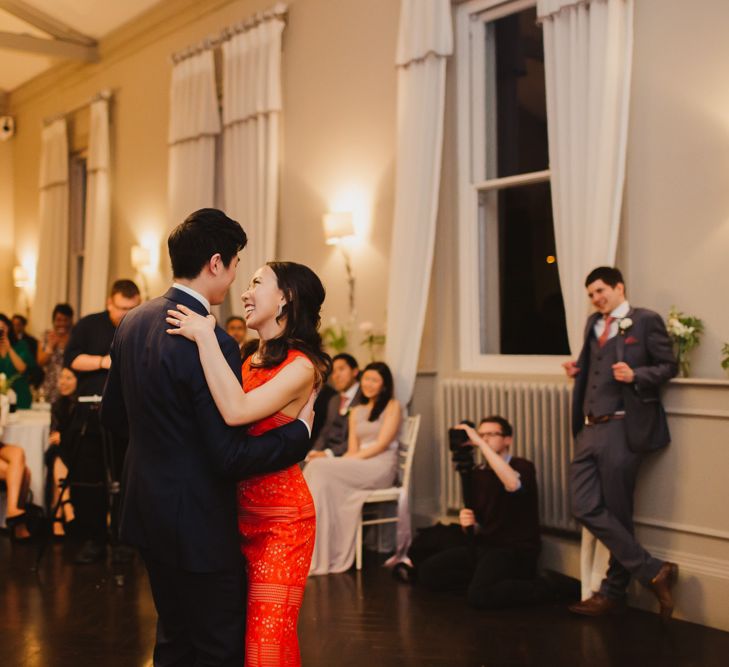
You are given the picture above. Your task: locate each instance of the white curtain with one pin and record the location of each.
(588, 48)
(251, 110)
(52, 270)
(98, 212)
(194, 126)
(588, 54)
(425, 40)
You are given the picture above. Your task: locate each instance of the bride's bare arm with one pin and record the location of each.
(236, 406)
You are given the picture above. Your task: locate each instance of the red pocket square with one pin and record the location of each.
(631, 340)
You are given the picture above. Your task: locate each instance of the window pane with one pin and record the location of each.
(516, 114)
(521, 302)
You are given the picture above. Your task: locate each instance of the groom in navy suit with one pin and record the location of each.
(617, 417)
(179, 481)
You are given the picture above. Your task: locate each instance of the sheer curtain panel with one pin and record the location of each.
(52, 269)
(98, 212)
(588, 54)
(425, 40)
(194, 126)
(251, 110)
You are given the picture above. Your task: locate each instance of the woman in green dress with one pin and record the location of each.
(15, 359)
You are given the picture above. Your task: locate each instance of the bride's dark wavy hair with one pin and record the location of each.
(304, 294)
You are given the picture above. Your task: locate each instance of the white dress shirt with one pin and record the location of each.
(193, 293)
(618, 314)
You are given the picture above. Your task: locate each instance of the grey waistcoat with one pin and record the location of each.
(603, 394)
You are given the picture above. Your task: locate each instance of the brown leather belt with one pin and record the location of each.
(591, 420)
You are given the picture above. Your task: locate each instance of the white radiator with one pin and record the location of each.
(540, 415)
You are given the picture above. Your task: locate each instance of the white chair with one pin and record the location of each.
(406, 451)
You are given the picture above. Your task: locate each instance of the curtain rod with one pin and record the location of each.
(278, 11)
(101, 95)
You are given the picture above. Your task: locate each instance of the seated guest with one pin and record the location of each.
(58, 453)
(339, 486)
(15, 359)
(50, 353)
(235, 327)
(16, 476)
(499, 569)
(333, 437)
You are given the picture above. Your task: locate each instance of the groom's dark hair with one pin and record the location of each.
(610, 275)
(203, 234)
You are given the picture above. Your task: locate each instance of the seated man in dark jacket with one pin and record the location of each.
(332, 440)
(500, 568)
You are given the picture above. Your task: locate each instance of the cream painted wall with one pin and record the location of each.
(676, 213)
(338, 132)
(7, 232)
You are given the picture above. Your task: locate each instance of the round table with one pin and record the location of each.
(29, 429)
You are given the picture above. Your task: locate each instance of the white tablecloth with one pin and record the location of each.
(29, 429)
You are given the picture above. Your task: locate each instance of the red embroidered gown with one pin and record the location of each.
(276, 522)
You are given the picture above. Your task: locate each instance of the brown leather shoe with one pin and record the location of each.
(661, 586)
(598, 605)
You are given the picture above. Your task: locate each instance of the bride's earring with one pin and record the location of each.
(280, 310)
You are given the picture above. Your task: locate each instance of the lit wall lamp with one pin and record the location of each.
(337, 228)
(22, 280)
(142, 264)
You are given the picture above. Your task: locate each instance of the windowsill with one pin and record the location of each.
(516, 364)
(700, 382)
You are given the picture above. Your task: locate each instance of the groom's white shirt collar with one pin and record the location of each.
(194, 294)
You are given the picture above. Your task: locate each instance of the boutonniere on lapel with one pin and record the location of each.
(624, 324)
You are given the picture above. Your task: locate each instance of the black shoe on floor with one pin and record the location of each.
(91, 552)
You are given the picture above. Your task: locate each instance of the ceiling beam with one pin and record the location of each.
(44, 22)
(48, 47)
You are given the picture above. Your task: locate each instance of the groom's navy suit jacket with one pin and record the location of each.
(646, 347)
(178, 485)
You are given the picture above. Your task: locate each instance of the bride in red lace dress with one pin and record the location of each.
(276, 519)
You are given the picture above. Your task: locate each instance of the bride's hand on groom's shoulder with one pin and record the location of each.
(188, 323)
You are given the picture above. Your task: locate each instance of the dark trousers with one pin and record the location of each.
(201, 616)
(602, 482)
(493, 577)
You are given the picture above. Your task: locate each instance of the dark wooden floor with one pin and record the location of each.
(75, 616)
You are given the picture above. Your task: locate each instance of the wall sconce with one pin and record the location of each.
(142, 264)
(22, 280)
(141, 258)
(337, 227)
(21, 277)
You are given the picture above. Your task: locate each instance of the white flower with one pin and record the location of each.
(3, 378)
(366, 327)
(625, 324)
(332, 321)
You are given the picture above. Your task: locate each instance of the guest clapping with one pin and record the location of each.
(15, 359)
(340, 486)
(50, 353)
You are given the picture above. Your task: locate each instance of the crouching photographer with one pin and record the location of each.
(497, 566)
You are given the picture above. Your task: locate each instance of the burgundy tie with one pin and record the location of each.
(606, 332)
(342, 403)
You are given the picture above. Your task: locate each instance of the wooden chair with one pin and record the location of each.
(406, 451)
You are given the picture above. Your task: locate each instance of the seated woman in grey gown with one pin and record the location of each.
(340, 486)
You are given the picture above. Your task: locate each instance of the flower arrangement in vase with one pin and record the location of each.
(335, 336)
(685, 332)
(372, 339)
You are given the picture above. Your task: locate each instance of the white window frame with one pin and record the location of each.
(471, 18)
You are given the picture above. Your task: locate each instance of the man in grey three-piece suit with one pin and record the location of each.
(617, 417)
